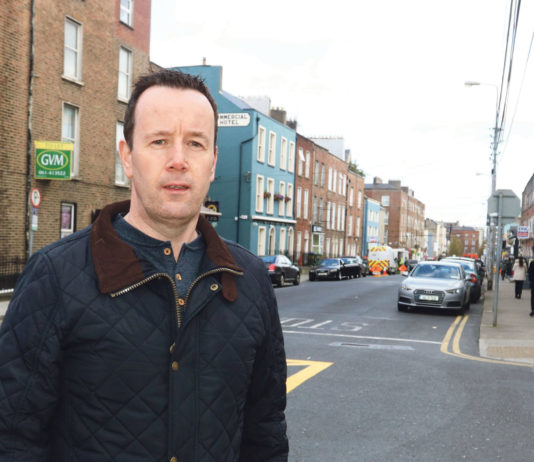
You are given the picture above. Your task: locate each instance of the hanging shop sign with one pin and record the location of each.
(234, 119)
(53, 160)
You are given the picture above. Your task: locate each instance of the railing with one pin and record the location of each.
(10, 270)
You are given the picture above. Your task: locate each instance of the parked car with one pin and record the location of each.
(472, 269)
(331, 268)
(353, 266)
(281, 270)
(435, 284)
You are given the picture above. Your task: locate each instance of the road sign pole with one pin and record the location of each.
(498, 247)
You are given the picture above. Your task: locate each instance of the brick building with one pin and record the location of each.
(328, 203)
(405, 214)
(468, 236)
(527, 218)
(66, 69)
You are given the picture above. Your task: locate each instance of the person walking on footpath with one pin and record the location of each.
(520, 275)
(531, 280)
(146, 337)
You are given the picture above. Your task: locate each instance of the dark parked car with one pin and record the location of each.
(331, 268)
(353, 268)
(281, 270)
(472, 270)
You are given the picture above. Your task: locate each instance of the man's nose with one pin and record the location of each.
(176, 157)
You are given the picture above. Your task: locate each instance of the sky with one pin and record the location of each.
(389, 77)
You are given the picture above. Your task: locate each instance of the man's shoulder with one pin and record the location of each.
(242, 254)
(64, 247)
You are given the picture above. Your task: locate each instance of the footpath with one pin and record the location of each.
(513, 337)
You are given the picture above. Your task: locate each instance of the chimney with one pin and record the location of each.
(204, 61)
(377, 180)
(279, 114)
(395, 183)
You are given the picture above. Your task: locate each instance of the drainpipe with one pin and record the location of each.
(29, 133)
(241, 179)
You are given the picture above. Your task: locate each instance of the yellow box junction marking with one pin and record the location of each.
(312, 368)
(456, 329)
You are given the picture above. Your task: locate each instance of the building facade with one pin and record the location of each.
(404, 213)
(468, 236)
(527, 218)
(371, 223)
(66, 73)
(254, 183)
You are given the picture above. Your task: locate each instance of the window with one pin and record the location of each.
(333, 217)
(339, 217)
(290, 238)
(261, 144)
(272, 241)
(385, 201)
(281, 199)
(283, 154)
(306, 242)
(67, 219)
(125, 73)
(314, 209)
(261, 240)
(289, 203)
(270, 199)
(126, 14)
(70, 132)
(271, 160)
(301, 160)
(349, 230)
(322, 175)
(330, 178)
(282, 245)
(291, 159)
(120, 174)
(328, 213)
(351, 196)
(72, 60)
(359, 199)
(299, 197)
(357, 226)
(316, 173)
(259, 193)
(305, 211)
(308, 161)
(299, 238)
(321, 214)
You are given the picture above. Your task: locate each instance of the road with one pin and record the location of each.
(369, 383)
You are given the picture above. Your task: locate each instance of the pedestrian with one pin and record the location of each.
(531, 280)
(146, 336)
(502, 269)
(520, 273)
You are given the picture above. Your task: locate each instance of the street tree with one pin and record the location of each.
(455, 247)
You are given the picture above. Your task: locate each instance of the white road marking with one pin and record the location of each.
(326, 334)
(372, 346)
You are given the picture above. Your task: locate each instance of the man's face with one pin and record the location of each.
(172, 162)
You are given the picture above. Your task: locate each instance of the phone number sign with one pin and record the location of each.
(53, 160)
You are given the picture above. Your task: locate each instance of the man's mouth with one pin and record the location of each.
(176, 187)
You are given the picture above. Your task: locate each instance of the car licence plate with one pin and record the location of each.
(433, 298)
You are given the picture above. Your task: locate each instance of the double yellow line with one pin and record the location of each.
(455, 333)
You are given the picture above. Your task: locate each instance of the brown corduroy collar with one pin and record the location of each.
(117, 266)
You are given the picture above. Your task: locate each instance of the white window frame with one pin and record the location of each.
(291, 158)
(262, 237)
(271, 158)
(360, 195)
(75, 161)
(351, 196)
(260, 157)
(260, 185)
(283, 153)
(330, 178)
(120, 175)
(289, 203)
(125, 74)
(349, 230)
(328, 214)
(126, 12)
(385, 201)
(76, 50)
(290, 242)
(300, 162)
(270, 199)
(283, 237)
(281, 202)
(305, 201)
(358, 223)
(307, 166)
(298, 202)
(70, 226)
(271, 241)
(299, 243)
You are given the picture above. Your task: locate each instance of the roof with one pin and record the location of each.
(235, 100)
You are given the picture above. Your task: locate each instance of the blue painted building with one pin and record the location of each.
(255, 176)
(371, 224)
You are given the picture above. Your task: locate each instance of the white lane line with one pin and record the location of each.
(325, 334)
(372, 346)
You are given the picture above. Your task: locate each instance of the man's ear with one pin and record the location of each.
(126, 158)
(212, 176)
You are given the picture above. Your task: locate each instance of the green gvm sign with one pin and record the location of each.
(53, 160)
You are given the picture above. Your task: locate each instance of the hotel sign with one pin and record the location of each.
(234, 119)
(53, 160)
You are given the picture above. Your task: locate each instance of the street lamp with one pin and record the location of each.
(494, 147)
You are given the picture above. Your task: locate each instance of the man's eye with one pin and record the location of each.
(159, 142)
(195, 144)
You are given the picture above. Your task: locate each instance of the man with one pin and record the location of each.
(146, 337)
(531, 280)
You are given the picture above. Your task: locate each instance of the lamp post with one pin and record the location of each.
(494, 146)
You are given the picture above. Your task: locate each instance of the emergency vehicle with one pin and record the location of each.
(382, 257)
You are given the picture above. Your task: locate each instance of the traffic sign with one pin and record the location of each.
(522, 232)
(35, 197)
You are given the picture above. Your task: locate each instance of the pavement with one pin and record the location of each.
(512, 339)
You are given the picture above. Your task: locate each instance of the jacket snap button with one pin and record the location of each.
(214, 287)
(173, 459)
(178, 277)
(167, 251)
(181, 302)
(174, 366)
(171, 349)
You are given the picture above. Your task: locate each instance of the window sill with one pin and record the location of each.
(120, 99)
(122, 185)
(73, 80)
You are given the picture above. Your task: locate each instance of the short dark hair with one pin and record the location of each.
(164, 78)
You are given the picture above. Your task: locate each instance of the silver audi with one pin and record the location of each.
(435, 284)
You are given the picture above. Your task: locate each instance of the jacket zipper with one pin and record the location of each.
(174, 289)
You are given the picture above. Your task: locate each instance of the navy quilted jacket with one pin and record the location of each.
(98, 362)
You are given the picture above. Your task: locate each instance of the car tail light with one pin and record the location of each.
(272, 267)
(473, 278)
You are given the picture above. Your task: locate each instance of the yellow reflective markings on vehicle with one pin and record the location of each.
(310, 369)
(456, 329)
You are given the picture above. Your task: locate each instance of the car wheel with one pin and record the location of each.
(311, 277)
(338, 276)
(296, 282)
(401, 307)
(281, 281)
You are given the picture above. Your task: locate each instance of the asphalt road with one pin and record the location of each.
(368, 383)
